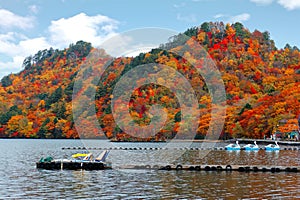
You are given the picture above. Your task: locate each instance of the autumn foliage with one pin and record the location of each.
(261, 83)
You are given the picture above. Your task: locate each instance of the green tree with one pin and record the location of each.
(6, 81)
(54, 97)
(205, 27)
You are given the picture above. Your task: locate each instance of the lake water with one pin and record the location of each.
(19, 178)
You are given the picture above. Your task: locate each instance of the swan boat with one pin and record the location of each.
(251, 147)
(233, 147)
(272, 147)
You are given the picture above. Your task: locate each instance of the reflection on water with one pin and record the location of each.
(20, 179)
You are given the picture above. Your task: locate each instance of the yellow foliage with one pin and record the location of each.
(41, 104)
(289, 71)
(201, 37)
(230, 31)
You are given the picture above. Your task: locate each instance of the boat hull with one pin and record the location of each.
(232, 148)
(251, 148)
(272, 148)
(70, 165)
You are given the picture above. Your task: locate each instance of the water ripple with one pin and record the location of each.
(21, 180)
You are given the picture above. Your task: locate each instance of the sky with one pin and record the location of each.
(27, 26)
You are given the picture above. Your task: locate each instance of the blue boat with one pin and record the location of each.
(233, 147)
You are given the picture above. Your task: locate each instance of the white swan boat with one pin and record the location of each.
(252, 147)
(233, 147)
(272, 147)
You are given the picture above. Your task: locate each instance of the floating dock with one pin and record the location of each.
(61, 165)
(158, 148)
(218, 168)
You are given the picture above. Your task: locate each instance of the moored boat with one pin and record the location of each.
(233, 147)
(78, 161)
(251, 147)
(272, 147)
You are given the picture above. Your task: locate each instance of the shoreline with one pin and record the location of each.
(241, 140)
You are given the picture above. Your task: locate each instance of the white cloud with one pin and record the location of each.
(11, 66)
(11, 20)
(17, 47)
(92, 29)
(232, 19)
(262, 2)
(25, 47)
(217, 16)
(240, 18)
(187, 18)
(287, 4)
(290, 4)
(14, 47)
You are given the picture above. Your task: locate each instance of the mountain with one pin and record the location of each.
(261, 84)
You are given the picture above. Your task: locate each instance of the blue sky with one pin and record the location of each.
(27, 26)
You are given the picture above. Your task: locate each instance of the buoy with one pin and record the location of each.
(241, 169)
(207, 168)
(213, 168)
(294, 169)
(255, 169)
(155, 167)
(148, 167)
(179, 167)
(273, 169)
(168, 167)
(288, 169)
(247, 169)
(264, 169)
(228, 168)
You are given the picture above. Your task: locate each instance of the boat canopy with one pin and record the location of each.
(79, 155)
(102, 157)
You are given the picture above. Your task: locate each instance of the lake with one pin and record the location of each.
(19, 178)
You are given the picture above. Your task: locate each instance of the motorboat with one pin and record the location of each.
(233, 147)
(78, 161)
(272, 147)
(251, 147)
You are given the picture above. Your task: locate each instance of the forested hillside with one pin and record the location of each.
(261, 83)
